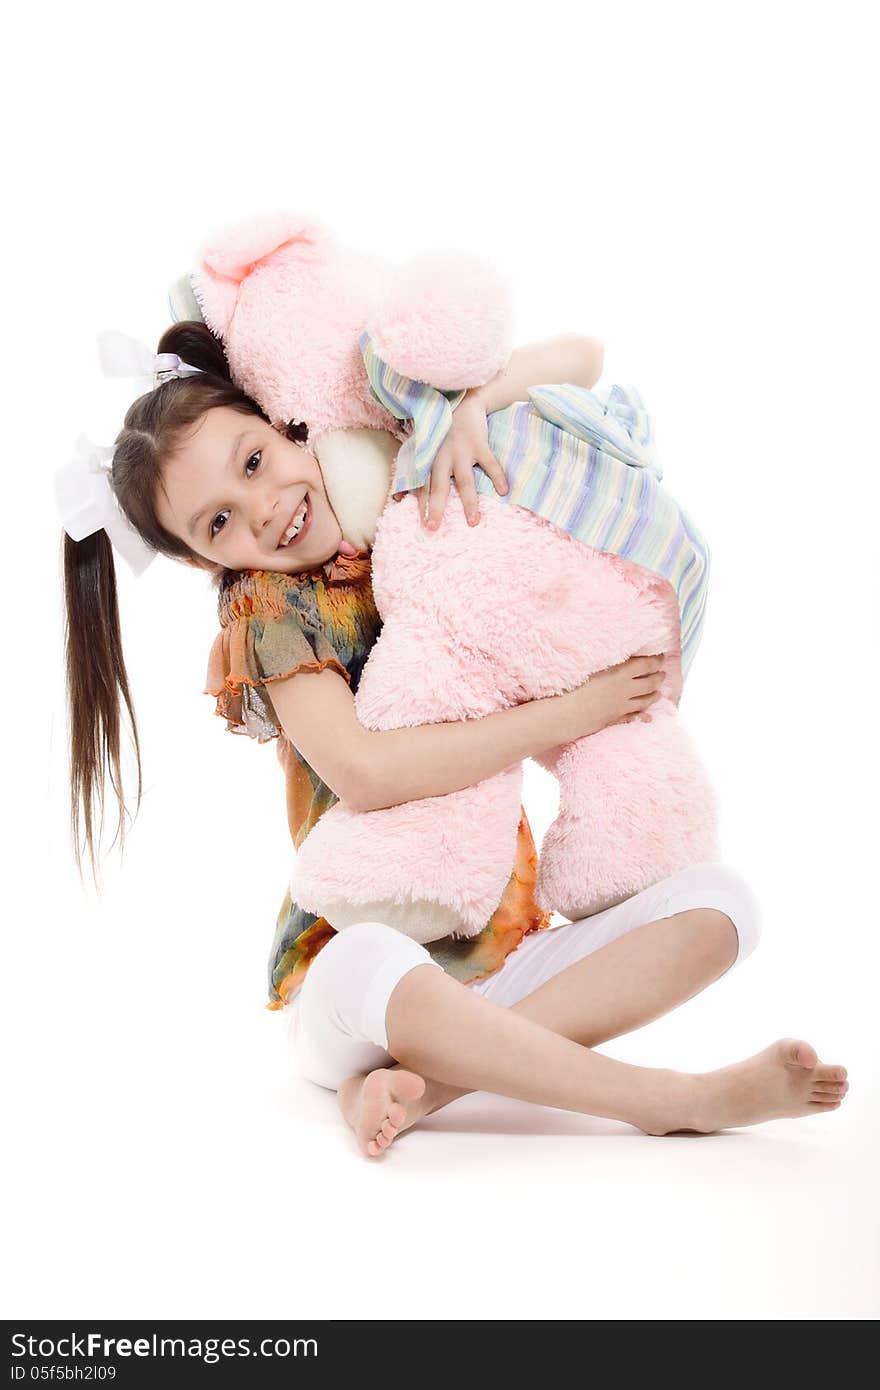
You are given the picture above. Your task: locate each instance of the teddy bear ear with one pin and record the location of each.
(227, 259)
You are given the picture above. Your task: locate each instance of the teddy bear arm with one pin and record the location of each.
(445, 320)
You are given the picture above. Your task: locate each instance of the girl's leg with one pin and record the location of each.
(336, 1022)
(618, 970)
(371, 984)
(622, 986)
(435, 1027)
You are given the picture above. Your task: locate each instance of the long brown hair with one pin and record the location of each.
(97, 683)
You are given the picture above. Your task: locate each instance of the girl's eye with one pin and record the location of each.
(257, 454)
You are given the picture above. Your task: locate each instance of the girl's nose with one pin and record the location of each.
(266, 514)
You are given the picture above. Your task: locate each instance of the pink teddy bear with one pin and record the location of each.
(475, 619)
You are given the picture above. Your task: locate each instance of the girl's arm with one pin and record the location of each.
(569, 358)
(370, 770)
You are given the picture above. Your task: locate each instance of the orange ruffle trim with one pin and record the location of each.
(227, 672)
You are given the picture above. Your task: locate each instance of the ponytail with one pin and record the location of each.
(97, 684)
(96, 678)
(195, 343)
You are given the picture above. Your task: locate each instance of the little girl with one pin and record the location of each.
(396, 1028)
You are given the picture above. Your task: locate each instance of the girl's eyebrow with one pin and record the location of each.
(236, 445)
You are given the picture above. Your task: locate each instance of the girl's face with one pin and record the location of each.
(237, 489)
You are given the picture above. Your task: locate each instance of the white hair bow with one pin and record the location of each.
(84, 486)
(121, 355)
(87, 503)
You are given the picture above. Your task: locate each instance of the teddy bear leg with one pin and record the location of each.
(635, 807)
(430, 869)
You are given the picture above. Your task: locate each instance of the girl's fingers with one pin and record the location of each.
(467, 491)
(646, 665)
(646, 691)
(439, 495)
(492, 468)
(652, 680)
(434, 497)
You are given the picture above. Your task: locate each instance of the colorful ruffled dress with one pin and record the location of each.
(275, 625)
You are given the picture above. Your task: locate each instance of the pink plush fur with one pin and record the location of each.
(477, 619)
(289, 306)
(445, 320)
(290, 318)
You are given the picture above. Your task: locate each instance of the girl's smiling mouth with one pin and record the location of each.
(298, 524)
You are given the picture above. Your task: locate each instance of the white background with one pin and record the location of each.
(692, 184)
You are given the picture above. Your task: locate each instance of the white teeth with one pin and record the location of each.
(295, 526)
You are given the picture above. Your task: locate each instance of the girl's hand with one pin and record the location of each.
(466, 444)
(617, 695)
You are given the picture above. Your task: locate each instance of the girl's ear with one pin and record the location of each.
(230, 257)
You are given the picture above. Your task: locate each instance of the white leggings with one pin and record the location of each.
(336, 1020)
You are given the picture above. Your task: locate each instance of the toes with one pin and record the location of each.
(826, 1073)
(798, 1053)
(830, 1088)
(376, 1144)
(383, 1110)
(824, 1104)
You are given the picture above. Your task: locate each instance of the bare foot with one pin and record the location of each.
(380, 1105)
(785, 1080)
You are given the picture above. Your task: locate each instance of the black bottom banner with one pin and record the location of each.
(98, 1353)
